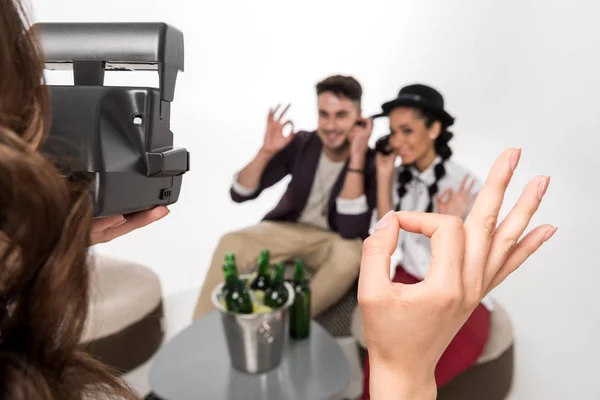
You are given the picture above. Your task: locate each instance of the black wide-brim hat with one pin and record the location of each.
(419, 96)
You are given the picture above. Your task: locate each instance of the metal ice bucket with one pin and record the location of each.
(255, 341)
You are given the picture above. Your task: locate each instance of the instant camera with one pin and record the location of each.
(119, 137)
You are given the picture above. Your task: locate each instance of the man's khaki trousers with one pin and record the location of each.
(335, 261)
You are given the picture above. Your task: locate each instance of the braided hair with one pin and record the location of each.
(442, 149)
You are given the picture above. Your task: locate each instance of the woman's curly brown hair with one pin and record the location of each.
(45, 222)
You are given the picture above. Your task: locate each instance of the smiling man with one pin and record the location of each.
(325, 213)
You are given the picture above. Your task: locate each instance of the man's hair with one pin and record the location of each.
(341, 86)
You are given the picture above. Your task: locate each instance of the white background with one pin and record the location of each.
(515, 73)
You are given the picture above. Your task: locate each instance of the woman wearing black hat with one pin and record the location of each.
(428, 181)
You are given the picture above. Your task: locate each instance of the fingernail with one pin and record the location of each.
(121, 222)
(550, 233)
(514, 159)
(543, 187)
(163, 212)
(385, 221)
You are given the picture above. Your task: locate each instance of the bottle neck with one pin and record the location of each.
(278, 278)
(299, 274)
(264, 269)
(299, 277)
(231, 276)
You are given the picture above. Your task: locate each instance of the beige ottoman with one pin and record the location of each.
(125, 321)
(491, 377)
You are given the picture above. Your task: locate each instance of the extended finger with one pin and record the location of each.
(102, 224)
(463, 183)
(445, 196)
(469, 189)
(481, 222)
(522, 251)
(283, 112)
(272, 112)
(471, 199)
(135, 221)
(512, 227)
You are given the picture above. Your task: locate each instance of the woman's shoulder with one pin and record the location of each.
(455, 168)
(455, 173)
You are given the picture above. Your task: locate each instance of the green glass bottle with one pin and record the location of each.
(277, 295)
(237, 295)
(300, 310)
(263, 280)
(230, 257)
(229, 284)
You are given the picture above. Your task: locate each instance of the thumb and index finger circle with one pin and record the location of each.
(447, 247)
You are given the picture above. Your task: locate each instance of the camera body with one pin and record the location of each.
(119, 137)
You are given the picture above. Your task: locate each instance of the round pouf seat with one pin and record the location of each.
(490, 378)
(125, 321)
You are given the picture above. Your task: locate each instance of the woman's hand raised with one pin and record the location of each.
(408, 327)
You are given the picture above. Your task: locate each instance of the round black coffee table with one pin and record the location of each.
(195, 365)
